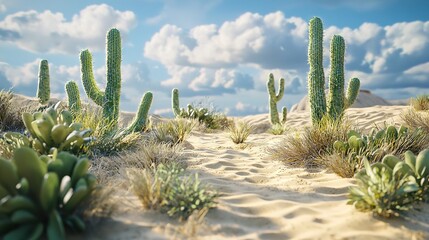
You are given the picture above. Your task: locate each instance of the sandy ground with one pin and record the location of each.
(264, 199)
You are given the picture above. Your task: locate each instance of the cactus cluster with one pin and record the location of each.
(392, 185)
(73, 97)
(43, 88)
(109, 99)
(274, 98)
(49, 129)
(337, 101)
(40, 194)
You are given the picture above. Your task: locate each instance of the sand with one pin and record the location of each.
(265, 199)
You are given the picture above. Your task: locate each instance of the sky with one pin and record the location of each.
(219, 52)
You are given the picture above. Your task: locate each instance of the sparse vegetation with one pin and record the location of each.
(239, 131)
(10, 116)
(420, 103)
(173, 131)
(416, 119)
(277, 129)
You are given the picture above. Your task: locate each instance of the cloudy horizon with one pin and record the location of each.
(221, 52)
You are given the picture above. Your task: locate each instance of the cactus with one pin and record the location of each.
(40, 195)
(140, 120)
(274, 98)
(336, 102)
(43, 88)
(175, 102)
(109, 100)
(49, 129)
(73, 97)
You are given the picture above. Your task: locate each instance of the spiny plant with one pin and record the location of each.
(40, 194)
(43, 88)
(109, 99)
(47, 130)
(274, 98)
(73, 97)
(337, 101)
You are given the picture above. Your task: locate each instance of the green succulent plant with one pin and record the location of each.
(47, 130)
(39, 195)
(274, 98)
(383, 190)
(43, 86)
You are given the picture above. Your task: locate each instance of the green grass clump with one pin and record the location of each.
(173, 131)
(277, 129)
(167, 189)
(304, 149)
(239, 131)
(108, 138)
(207, 115)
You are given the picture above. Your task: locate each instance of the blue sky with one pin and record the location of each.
(218, 51)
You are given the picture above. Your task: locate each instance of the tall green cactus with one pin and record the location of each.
(175, 102)
(274, 98)
(109, 100)
(73, 97)
(337, 102)
(43, 88)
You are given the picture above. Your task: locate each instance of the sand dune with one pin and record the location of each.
(264, 199)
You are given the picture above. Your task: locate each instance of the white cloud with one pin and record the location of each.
(2, 8)
(51, 32)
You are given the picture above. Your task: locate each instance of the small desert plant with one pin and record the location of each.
(47, 130)
(392, 185)
(420, 103)
(304, 149)
(239, 131)
(173, 131)
(374, 147)
(167, 189)
(10, 117)
(108, 139)
(416, 119)
(277, 129)
(41, 195)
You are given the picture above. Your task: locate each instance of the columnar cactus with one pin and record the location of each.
(175, 102)
(337, 102)
(274, 98)
(109, 100)
(43, 88)
(73, 97)
(140, 120)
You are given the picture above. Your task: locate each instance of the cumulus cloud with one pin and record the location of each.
(51, 32)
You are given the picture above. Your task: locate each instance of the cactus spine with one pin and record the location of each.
(43, 88)
(109, 100)
(73, 97)
(274, 98)
(337, 102)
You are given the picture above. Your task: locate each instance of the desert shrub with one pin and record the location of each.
(205, 114)
(173, 131)
(392, 185)
(10, 116)
(41, 195)
(50, 129)
(277, 129)
(166, 188)
(420, 103)
(239, 131)
(108, 139)
(374, 146)
(306, 148)
(416, 119)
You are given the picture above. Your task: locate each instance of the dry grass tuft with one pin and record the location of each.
(239, 131)
(420, 103)
(10, 116)
(277, 129)
(304, 149)
(173, 131)
(416, 119)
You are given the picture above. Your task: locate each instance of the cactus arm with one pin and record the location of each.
(43, 88)
(73, 97)
(352, 91)
(336, 78)
(281, 92)
(88, 81)
(140, 120)
(175, 102)
(284, 115)
(316, 77)
(113, 66)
